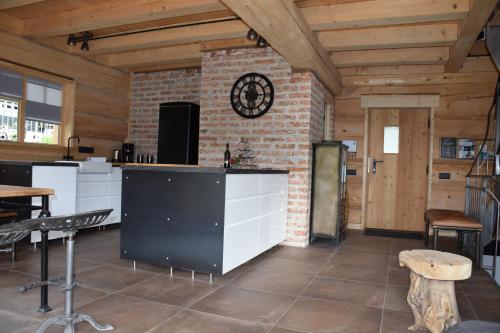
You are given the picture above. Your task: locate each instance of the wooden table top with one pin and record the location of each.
(8, 191)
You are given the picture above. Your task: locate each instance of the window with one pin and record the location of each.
(36, 102)
(391, 139)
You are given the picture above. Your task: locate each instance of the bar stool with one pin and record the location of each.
(70, 224)
(13, 232)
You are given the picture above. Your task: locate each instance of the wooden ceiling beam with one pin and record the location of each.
(384, 12)
(117, 13)
(390, 37)
(6, 4)
(281, 23)
(169, 55)
(167, 37)
(409, 56)
(10, 24)
(471, 27)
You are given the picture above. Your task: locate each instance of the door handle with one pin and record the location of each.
(374, 166)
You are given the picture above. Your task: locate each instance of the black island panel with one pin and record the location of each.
(173, 219)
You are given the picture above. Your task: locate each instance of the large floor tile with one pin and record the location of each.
(11, 322)
(399, 277)
(28, 303)
(361, 293)
(307, 266)
(396, 321)
(57, 266)
(174, 291)
(110, 278)
(274, 280)
(102, 254)
(244, 304)
(382, 248)
(355, 272)
(303, 253)
(195, 322)
(395, 298)
(362, 258)
(10, 280)
(318, 316)
(126, 314)
(488, 309)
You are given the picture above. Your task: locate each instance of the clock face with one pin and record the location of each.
(252, 95)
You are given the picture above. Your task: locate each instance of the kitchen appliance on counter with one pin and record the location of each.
(116, 156)
(128, 153)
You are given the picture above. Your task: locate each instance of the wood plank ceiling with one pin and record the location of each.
(139, 35)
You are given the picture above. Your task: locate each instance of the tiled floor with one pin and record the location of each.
(357, 289)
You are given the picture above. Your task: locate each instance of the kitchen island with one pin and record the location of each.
(201, 219)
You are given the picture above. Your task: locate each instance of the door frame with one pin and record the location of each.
(368, 102)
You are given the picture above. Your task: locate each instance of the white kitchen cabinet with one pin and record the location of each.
(255, 216)
(100, 191)
(63, 180)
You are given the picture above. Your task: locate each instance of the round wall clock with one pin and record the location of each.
(252, 95)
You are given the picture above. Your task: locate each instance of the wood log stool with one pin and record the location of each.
(432, 290)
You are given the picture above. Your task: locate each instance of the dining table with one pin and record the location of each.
(8, 192)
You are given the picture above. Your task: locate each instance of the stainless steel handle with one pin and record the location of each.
(369, 165)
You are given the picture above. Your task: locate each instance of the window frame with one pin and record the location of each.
(67, 105)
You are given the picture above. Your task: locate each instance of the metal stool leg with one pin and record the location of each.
(69, 319)
(426, 236)
(13, 253)
(436, 235)
(478, 250)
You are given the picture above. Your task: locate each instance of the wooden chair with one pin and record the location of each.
(444, 219)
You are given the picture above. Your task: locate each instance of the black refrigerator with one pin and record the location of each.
(178, 133)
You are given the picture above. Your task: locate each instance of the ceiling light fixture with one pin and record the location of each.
(71, 40)
(252, 35)
(85, 45)
(261, 42)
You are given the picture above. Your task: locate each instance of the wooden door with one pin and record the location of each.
(397, 175)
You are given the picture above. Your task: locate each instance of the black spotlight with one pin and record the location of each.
(252, 35)
(261, 42)
(85, 45)
(71, 40)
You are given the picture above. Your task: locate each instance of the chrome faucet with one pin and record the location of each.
(68, 157)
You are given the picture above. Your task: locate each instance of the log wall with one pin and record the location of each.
(101, 98)
(465, 101)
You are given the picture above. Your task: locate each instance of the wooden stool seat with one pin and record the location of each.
(432, 291)
(461, 222)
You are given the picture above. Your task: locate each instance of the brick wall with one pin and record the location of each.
(282, 138)
(148, 91)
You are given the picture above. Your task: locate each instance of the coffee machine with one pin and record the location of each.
(128, 153)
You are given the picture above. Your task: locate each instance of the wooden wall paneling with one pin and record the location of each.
(101, 96)
(436, 34)
(384, 12)
(461, 113)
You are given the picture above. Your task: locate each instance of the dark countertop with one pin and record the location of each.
(195, 168)
(34, 163)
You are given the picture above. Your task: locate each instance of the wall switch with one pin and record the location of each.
(444, 175)
(351, 172)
